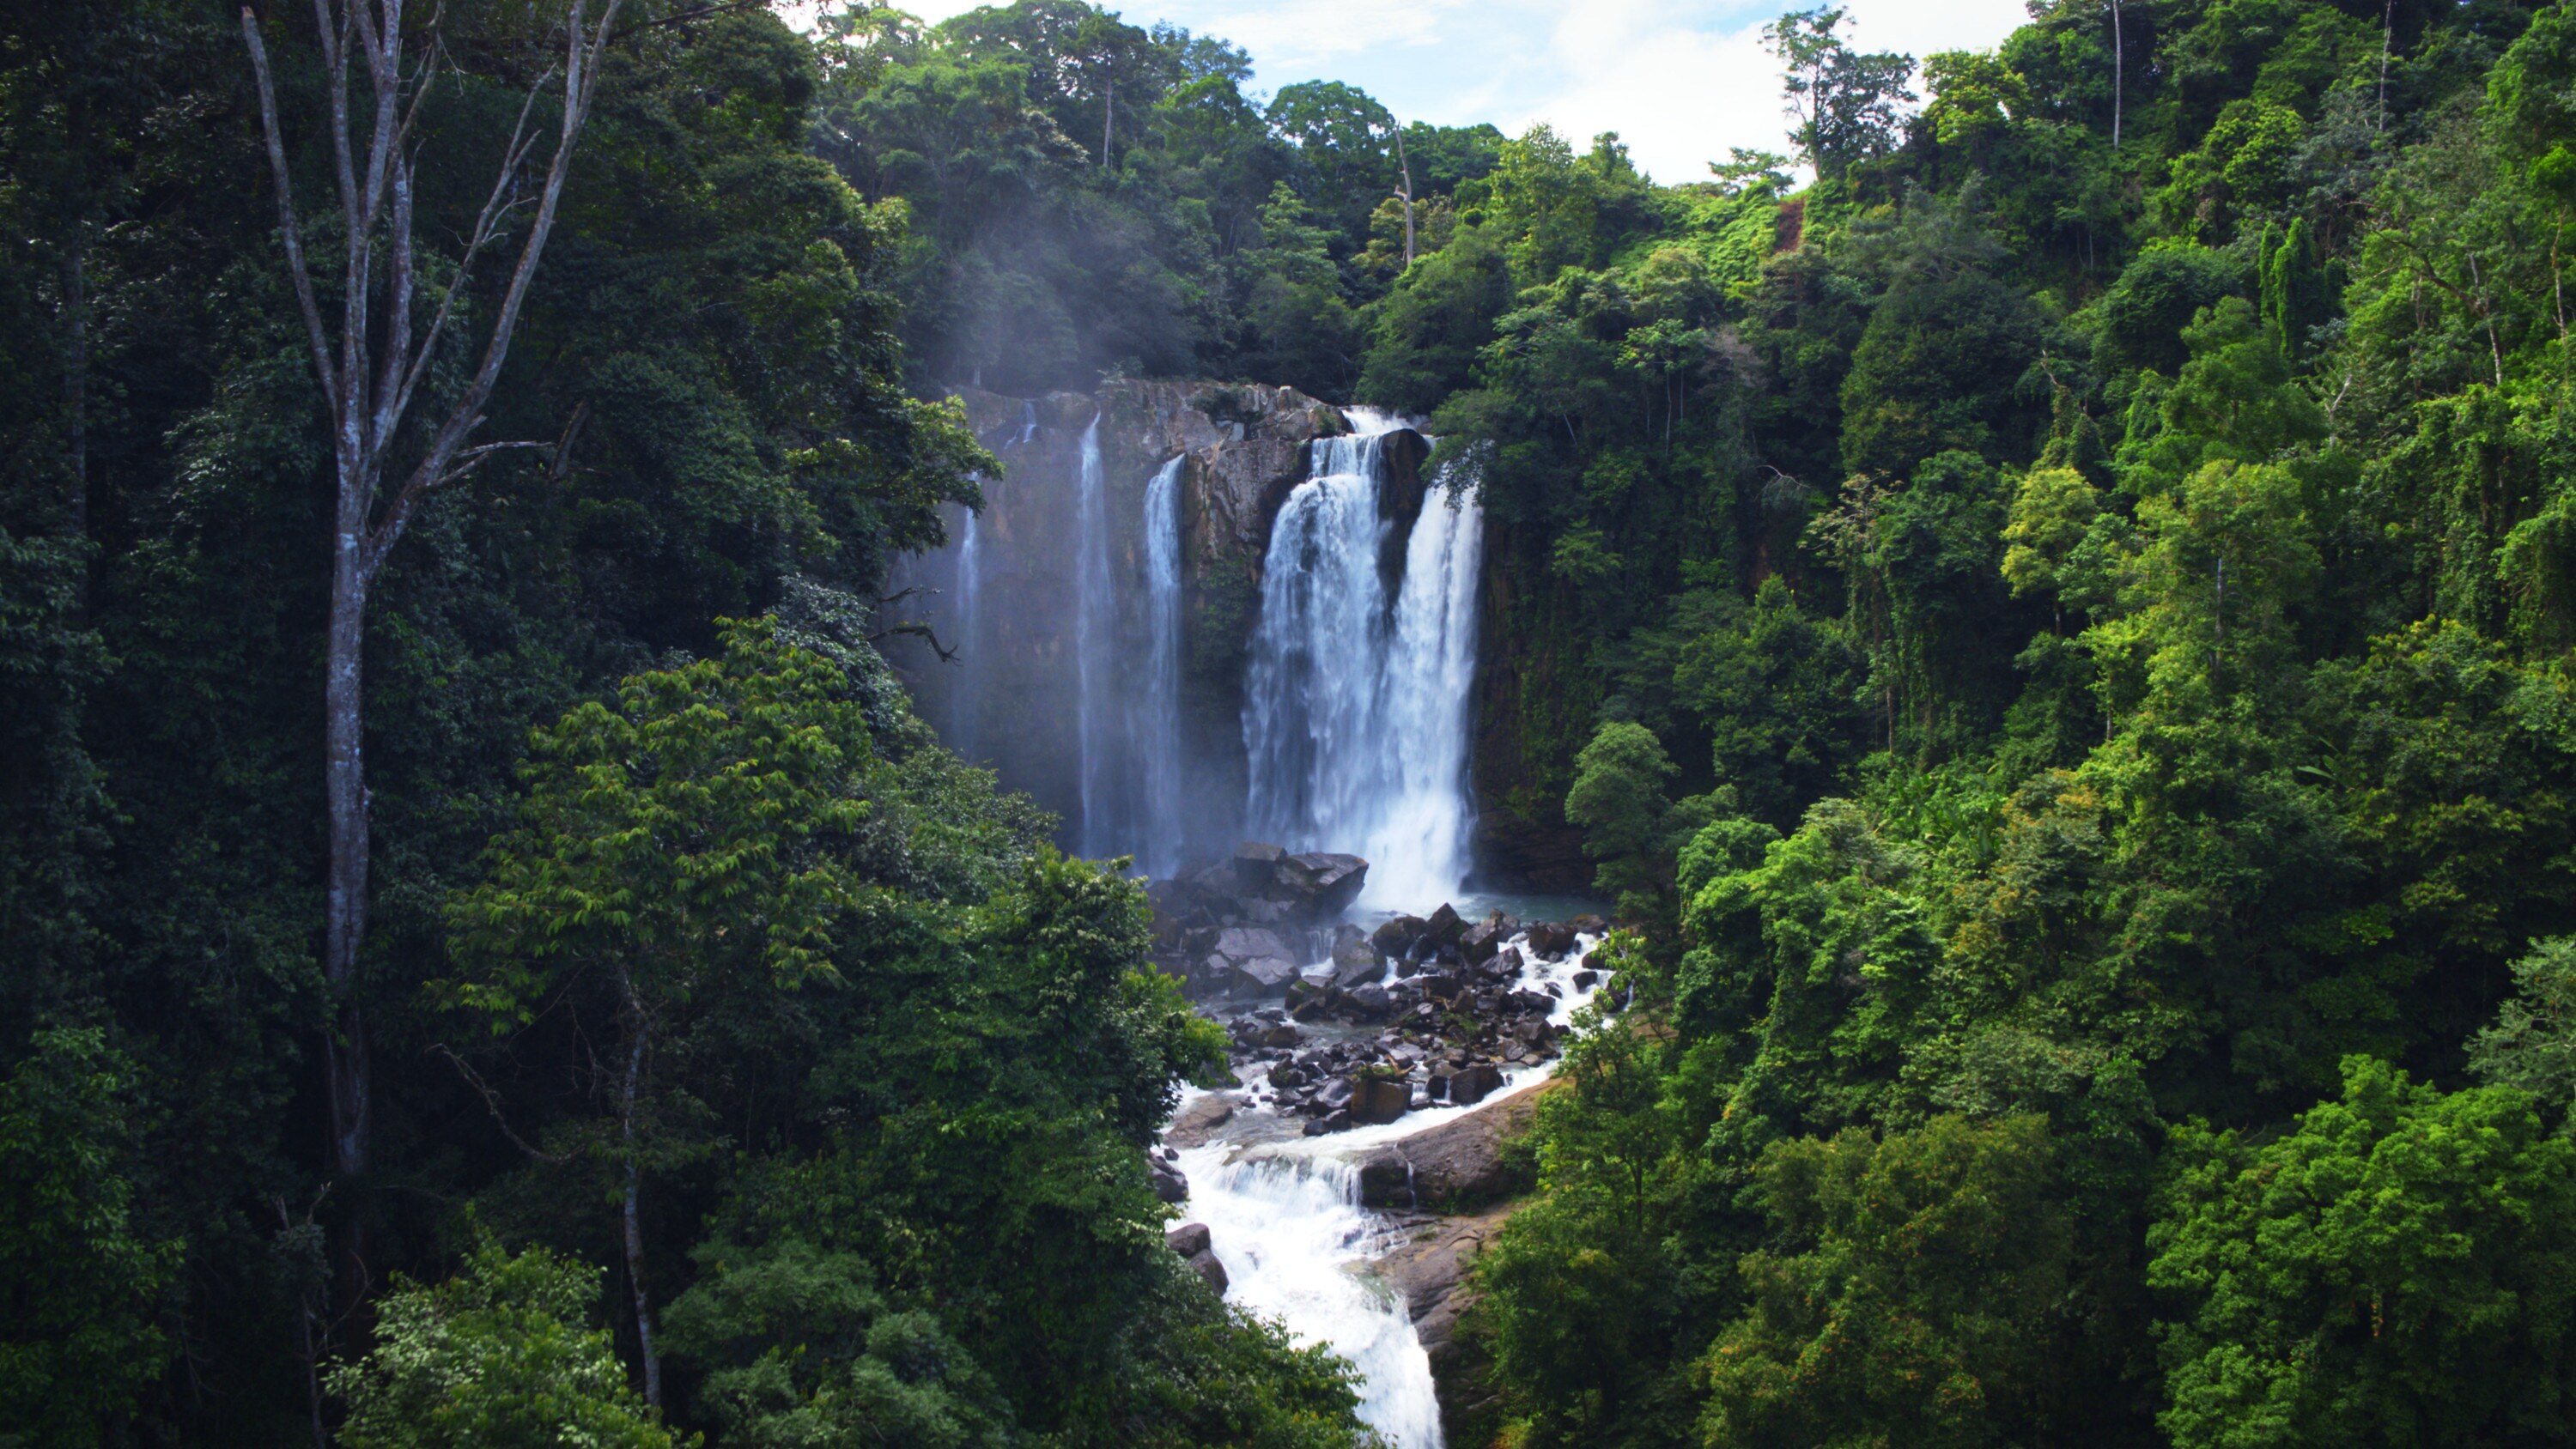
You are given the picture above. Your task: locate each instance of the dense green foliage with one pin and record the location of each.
(699, 975)
(2056, 632)
(2060, 645)
(1089, 197)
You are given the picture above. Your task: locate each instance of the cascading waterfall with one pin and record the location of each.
(970, 573)
(1355, 711)
(967, 700)
(1095, 643)
(1155, 722)
(1286, 1230)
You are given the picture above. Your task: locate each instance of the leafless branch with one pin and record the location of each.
(486, 225)
(292, 234)
(492, 1104)
(917, 631)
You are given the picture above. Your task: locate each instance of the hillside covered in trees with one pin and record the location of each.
(2047, 604)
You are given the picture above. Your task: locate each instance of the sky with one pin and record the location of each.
(1679, 80)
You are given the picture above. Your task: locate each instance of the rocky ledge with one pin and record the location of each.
(1420, 1010)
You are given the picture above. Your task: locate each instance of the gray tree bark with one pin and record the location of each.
(371, 369)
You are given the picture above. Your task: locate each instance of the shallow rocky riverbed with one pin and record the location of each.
(1349, 1178)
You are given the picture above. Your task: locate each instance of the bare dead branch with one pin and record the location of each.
(917, 631)
(492, 1104)
(581, 69)
(562, 462)
(293, 235)
(486, 225)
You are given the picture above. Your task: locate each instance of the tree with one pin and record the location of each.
(500, 1357)
(1907, 1295)
(1843, 101)
(371, 372)
(80, 1278)
(682, 847)
(2532, 1045)
(1628, 823)
(2400, 1269)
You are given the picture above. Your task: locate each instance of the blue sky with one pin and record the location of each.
(1679, 81)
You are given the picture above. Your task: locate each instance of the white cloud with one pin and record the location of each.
(1679, 80)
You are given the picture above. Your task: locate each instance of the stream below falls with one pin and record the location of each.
(1287, 1222)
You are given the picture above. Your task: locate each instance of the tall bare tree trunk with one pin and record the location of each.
(2119, 73)
(76, 372)
(633, 1212)
(76, 323)
(1406, 193)
(371, 367)
(345, 803)
(2387, 42)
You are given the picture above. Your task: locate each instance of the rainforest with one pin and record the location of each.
(744, 724)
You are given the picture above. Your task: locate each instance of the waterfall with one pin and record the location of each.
(1287, 1231)
(1155, 723)
(966, 699)
(970, 577)
(1355, 711)
(1095, 631)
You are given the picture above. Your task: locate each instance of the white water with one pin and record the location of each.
(1095, 630)
(1155, 721)
(1293, 1236)
(1286, 1221)
(1355, 711)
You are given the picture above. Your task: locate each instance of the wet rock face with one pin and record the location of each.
(1459, 1163)
(1244, 926)
(1243, 449)
(1197, 1247)
(1169, 1183)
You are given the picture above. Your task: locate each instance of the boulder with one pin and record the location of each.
(1196, 1123)
(1444, 927)
(1551, 939)
(1376, 1100)
(1255, 960)
(1589, 925)
(1459, 1161)
(1255, 864)
(1396, 936)
(1198, 1249)
(1355, 962)
(1585, 977)
(1319, 886)
(1482, 941)
(1369, 1003)
(1169, 1184)
(1336, 1120)
(1261, 976)
(1470, 1085)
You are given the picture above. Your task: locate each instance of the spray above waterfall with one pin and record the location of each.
(1356, 705)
